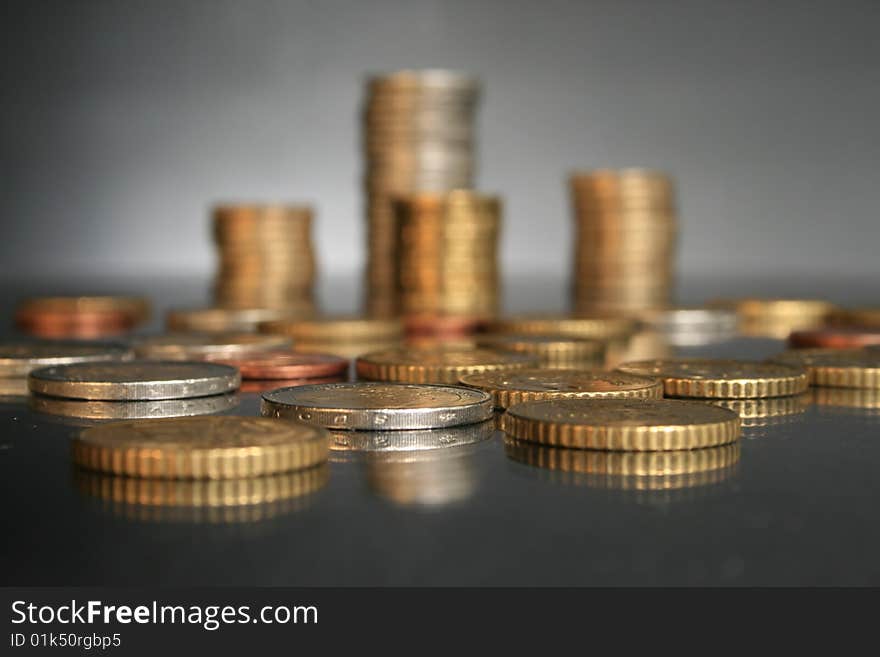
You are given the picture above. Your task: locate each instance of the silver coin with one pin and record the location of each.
(196, 346)
(134, 380)
(410, 441)
(379, 406)
(18, 358)
(132, 410)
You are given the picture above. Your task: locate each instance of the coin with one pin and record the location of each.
(685, 327)
(221, 320)
(729, 379)
(436, 365)
(426, 325)
(134, 380)
(622, 424)
(336, 329)
(409, 441)
(287, 365)
(837, 368)
(81, 316)
(863, 317)
(131, 410)
(265, 385)
(197, 346)
(509, 388)
(18, 358)
(840, 337)
(777, 318)
(552, 351)
(388, 406)
(206, 447)
(597, 327)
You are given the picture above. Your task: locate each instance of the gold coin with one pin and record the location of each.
(597, 327)
(436, 366)
(551, 351)
(783, 308)
(20, 357)
(223, 447)
(837, 368)
(337, 329)
(509, 388)
(195, 346)
(220, 320)
(622, 424)
(728, 379)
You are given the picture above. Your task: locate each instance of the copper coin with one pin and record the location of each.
(265, 385)
(287, 365)
(848, 337)
(87, 325)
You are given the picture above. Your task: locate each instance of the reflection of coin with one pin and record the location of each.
(286, 365)
(131, 410)
(224, 500)
(18, 358)
(436, 365)
(764, 412)
(852, 398)
(622, 424)
(220, 447)
(198, 346)
(508, 388)
(387, 406)
(729, 379)
(837, 368)
(410, 441)
(630, 470)
(134, 380)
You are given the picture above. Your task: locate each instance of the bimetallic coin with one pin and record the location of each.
(837, 368)
(134, 380)
(509, 388)
(18, 358)
(196, 346)
(622, 424)
(287, 365)
(417, 440)
(132, 410)
(371, 406)
(436, 365)
(220, 447)
(336, 329)
(685, 327)
(728, 379)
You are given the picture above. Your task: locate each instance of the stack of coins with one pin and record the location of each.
(266, 258)
(81, 316)
(448, 261)
(625, 225)
(418, 136)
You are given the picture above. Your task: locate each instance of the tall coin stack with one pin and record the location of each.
(626, 230)
(418, 136)
(448, 262)
(266, 258)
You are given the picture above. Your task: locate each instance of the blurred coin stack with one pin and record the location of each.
(448, 254)
(266, 258)
(626, 228)
(418, 136)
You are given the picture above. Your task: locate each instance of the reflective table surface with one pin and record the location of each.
(796, 503)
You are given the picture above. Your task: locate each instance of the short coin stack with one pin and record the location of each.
(266, 259)
(418, 136)
(626, 228)
(448, 261)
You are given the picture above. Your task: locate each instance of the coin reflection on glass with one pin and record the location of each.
(203, 501)
(433, 478)
(858, 401)
(629, 470)
(120, 410)
(765, 412)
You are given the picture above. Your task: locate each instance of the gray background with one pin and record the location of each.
(123, 121)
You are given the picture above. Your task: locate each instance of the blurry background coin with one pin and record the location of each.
(436, 365)
(838, 368)
(18, 357)
(220, 320)
(596, 327)
(287, 365)
(383, 406)
(835, 337)
(197, 346)
(777, 318)
(81, 316)
(553, 351)
(206, 447)
(134, 380)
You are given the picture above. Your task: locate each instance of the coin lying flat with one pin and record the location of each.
(131, 410)
(839, 337)
(371, 406)
(776, 317)
(336, 329)
(436, 365)
(220, 320)
(416, 440)
(593, 327)
(692, 326)
(729, 379)
(134, 380)
(551, 351)
(509, 388)
(198, 346)
(18, 358)
(223, 447)
(622, 424)
(838, 368)
(81, 316)
(287, 365)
